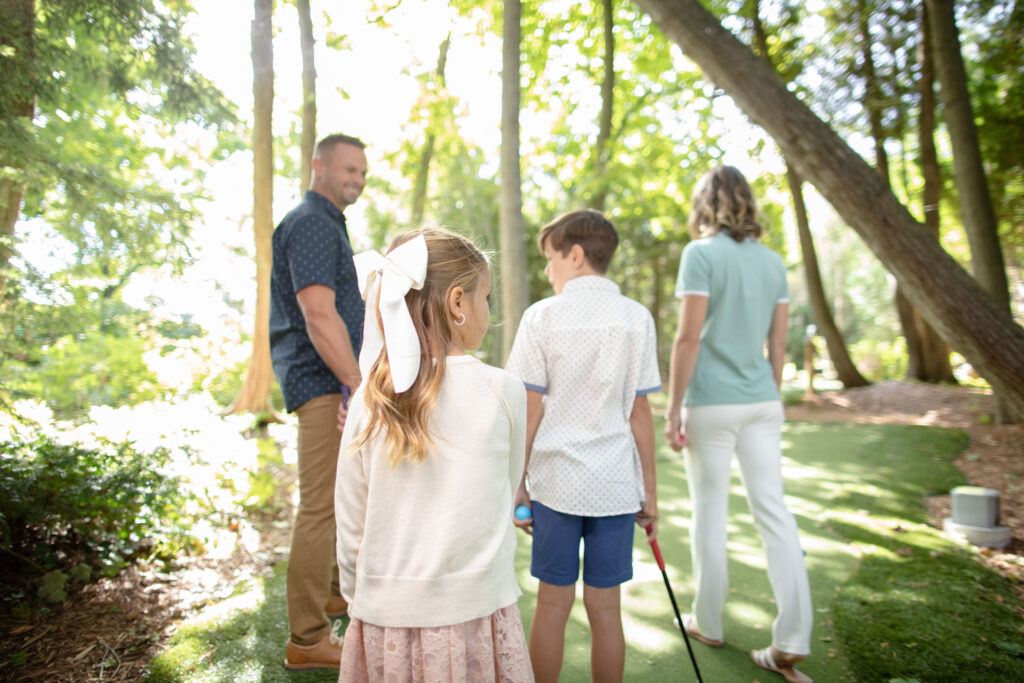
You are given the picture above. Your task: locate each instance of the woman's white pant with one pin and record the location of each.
(754, 433)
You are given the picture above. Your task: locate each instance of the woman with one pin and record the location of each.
(724, 399)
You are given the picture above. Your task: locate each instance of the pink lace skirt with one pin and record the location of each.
(491, 648)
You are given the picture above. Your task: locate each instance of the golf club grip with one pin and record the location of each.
(657, 551)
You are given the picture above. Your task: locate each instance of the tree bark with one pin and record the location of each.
(308, 139)
(419, 190)
(934, 351)
(17, 33)
(604, 133)
(950, 299)
(873, 104)
(514, 280)
(874, 107)
(846, 369)
(978, 216)
(254, 396)
(976, 209)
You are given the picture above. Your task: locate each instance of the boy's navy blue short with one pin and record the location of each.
(607, 548)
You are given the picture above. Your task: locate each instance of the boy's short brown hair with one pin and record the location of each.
(588, 228)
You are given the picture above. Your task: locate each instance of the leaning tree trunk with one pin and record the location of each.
(846, 370)
(308, 139)
(934, 351)
(950, 298)
(419, 188)
(977, 212)
(604, 133)
(514, 279)
(254, 396)
(17, 35)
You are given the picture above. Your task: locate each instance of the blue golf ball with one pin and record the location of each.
(523, 512)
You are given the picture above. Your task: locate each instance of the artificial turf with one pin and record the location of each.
(894, 599)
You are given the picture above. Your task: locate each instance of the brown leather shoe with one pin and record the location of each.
(336, 607)
(324, 655)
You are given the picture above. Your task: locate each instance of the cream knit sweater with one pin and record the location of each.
(432, 543)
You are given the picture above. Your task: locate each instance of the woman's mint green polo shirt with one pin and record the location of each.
(743, 281)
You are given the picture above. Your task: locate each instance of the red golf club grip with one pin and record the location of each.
(657, 551)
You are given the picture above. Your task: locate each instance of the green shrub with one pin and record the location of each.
(62, 506)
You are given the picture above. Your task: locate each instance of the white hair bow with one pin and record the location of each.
(404, 268)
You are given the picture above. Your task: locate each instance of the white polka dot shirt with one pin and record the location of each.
(591, 352)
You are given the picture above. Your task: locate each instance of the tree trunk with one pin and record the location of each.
(17, 34)
(847, 371)
(934, 351)
(308, 140)
(873, 104)
(979, 217)
(514, 280)
(977, 212)
(604, 133)
(254, 396)
(419, 190)
(951, 300)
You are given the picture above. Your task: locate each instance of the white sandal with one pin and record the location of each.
(692, 631)
(764, 659)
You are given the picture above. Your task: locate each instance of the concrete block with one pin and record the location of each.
(975, 506)
(984, 536)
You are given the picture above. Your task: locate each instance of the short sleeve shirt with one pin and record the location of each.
(591, 352)
(744, 282)
(310, 247)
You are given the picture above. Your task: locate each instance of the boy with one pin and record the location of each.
(588, 359)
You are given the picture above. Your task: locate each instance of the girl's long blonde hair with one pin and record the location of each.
(452, 261)
(723, 200)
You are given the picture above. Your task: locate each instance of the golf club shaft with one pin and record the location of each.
(675, 608)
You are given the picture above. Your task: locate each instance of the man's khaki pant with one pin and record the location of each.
(312, 566)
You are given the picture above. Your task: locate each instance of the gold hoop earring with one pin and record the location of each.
(460, 324)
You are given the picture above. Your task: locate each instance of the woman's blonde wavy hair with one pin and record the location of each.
(452, 261)
(723, 200)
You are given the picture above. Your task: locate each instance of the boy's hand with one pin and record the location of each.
(648, 516)
(523, 498)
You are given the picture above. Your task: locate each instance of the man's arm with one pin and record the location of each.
(328, 333)
(641, 422)
(777, 341)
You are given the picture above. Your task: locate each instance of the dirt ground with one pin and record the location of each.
(109, 631)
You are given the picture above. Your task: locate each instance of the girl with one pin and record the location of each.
(735, 299)
(431, 456)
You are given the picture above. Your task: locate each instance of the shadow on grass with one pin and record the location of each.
(239, 640)
(893, 598)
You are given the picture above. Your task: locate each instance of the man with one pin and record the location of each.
(316, 327)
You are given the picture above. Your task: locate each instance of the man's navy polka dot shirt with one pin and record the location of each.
(311, 247)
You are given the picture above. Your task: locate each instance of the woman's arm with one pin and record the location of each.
(777, 341)
(692, 313)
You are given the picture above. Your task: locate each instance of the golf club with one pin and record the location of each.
(679, 619)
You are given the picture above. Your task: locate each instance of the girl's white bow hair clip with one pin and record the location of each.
(386, 280)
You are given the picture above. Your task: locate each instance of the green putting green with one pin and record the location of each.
(878, 574)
